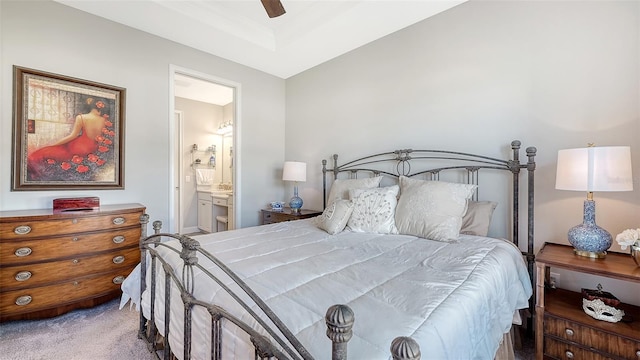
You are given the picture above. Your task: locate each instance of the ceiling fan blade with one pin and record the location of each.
(274, 8)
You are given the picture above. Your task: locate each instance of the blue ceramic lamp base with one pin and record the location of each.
(589, 239)
(296, 202)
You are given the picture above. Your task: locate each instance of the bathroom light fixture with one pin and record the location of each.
(225, 128)
(295, 171)
(606, 168)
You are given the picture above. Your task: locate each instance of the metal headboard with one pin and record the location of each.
(401, 165)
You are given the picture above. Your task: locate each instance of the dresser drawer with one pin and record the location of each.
(23, 276)
(35, 250)
(68, 225)
(39, 298)
(566, 351)
(612, 344)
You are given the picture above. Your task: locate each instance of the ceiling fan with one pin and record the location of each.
(274, 8)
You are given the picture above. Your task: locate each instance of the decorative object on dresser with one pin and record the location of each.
(563, 329)
(52, 263)
(76, 204)
(630, 238)
(270, 216)
(606, 168)
(601, 305)
(296, 172)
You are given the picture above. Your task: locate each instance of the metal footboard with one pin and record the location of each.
(280, 342)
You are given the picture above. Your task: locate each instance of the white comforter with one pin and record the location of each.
(455, 299)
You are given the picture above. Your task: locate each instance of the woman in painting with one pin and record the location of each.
(81, 144)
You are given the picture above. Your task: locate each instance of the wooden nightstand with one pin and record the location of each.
(563, 329)
(274, 216)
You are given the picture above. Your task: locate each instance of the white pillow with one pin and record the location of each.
(334, 218)
(373, 210)
(477, 219)
(340, 187)
(432, 209)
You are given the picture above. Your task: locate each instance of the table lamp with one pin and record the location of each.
(606, 168)
(295, 171)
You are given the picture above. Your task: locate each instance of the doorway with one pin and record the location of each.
(202, 106)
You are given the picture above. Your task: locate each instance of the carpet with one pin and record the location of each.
(99, 333)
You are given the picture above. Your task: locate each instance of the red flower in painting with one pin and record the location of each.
(100, 162)
(92, 157)
(99, 138)
(112, 133)
(106, 116)
(82, 168)
(103, 148)
(108, 123)
(65, 166)
(105, 131)
(99, 105)
(108, 142)
(51, 161)
(76, 159)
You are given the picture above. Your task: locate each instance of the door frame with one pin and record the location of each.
(237, 135)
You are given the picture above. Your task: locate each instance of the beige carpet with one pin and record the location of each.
(99, 333)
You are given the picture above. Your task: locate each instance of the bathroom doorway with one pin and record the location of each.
(204, 156)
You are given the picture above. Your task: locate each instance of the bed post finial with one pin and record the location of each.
(405, 348)
(157, 225)
(339, 319)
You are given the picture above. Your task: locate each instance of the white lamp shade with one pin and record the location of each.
(294, 171)
(606, 168)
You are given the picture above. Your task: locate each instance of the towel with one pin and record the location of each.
(204, 176)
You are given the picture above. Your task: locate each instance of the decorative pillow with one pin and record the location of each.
(373, 210)
(477, 219)
(432, 209)
(340, 187)
(334, 218)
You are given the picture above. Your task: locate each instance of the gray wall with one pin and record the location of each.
(47, 36)
(553, 74)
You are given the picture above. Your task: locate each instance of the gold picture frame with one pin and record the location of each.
(68, 133)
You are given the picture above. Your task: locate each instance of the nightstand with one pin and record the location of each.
(563, 329)
(274, 216)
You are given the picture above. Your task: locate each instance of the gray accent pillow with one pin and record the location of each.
(335, 217)
(477, 219)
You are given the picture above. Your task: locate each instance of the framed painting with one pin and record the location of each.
(68, 133)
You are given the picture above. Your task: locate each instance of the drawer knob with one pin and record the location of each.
(118, 221)
(22, 230)
(638, 354)
(23, 251)
(75, 261)
(75, 283)
(569, 354)
(118, 259)
(23, 300)
(118, 239)
(23, 276)
(118, 279)
(75, 239)
(74, 221)
(568, 331)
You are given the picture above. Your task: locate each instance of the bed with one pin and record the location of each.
(370, 277)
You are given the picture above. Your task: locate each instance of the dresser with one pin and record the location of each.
(563, 329)
(52, 263)
(270, 216)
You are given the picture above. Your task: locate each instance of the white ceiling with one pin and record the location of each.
(310, 33)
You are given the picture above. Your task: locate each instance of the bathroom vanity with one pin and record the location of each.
(215, 211)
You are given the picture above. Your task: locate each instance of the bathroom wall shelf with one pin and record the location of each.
(203, 158)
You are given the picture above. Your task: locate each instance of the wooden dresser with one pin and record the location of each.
(563, 329)
(53, 263)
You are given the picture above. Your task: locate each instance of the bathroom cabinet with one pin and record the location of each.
(205, 211)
